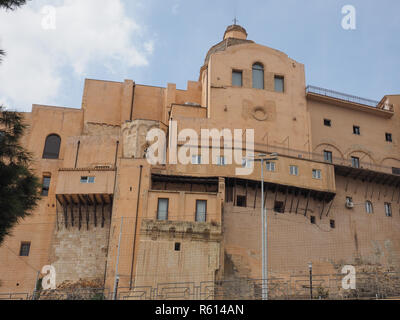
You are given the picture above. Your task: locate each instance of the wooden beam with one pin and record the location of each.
(286, 196)
(308, 202)
(323, 207)
(87, 217)
(102, 215)
(330, 207)
(298, 203)
(291, 203)
(72, 212)
(80, 216)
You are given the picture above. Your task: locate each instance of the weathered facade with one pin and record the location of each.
(332, 197)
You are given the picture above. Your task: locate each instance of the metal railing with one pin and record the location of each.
(369, 285)
(342, 96)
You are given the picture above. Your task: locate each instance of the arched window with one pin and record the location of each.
(258, 76)
(52, 147)
(369, 207)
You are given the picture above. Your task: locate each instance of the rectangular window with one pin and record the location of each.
(24, 249)
(221, 161)
(162, 209)
(246, 163)
(88, 179)
(279, 207)
(241, 201)
(196, 160)
(396, 171)
(389, 137)
(201, 211)
(237, 78)
(279, 84)
(388, 209)
(328, 156)
(177, 246)
(356, 130)
(294, 170)
(333, 224)
(313, 220)
(355, 162)
(46, 186)
(327, 123)
(271, 166)
(316, 174)
(369, 207)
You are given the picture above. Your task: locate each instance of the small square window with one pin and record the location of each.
(389, 137)
(221, 161)
(241, 201)
(313, 220)
(328, 156)
(369, 207)
(271, 166)
(356, 130)
(24, 249)
(177, 246)
(396, 171)
(201, 210)
(162, 209)
(237, 78)
(294, 170)
(317, 174)
(355, 162)
(91, 179)
(388, 209)
(333, 224)
(196, 160)
(279, 207)
(279, 84)
(327, 123)
(46, 186)
(246, 163)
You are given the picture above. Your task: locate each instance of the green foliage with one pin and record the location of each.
(19, 187)
(11, 4)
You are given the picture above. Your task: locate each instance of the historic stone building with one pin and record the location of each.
(332, 197)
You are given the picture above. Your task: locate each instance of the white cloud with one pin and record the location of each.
(175, 7)
(88, 33)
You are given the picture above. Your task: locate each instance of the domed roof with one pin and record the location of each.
(234, 35)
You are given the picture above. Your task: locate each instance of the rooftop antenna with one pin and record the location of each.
(235, 20)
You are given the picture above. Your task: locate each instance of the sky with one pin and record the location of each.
(53, 45)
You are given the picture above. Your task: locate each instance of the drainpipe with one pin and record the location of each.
(133, 100)
(136, 223)
(77, 154)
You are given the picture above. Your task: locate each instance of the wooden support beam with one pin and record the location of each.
(102, 215)
(87, 217)
(234, 193)
(330, 207)
(291, 203)
(72, 213)
(298, 203)
(286, 196)
(308, 202)
(323, 207)
(80, 216)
